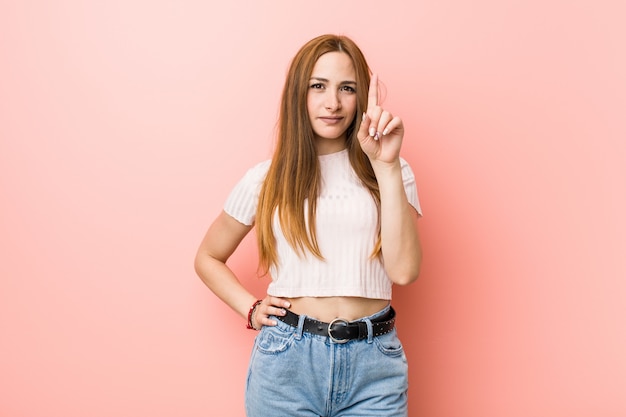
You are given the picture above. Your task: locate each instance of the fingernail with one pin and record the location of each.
(283, 311)
(372, 131)
(274, 322)
(385, 131)
(287, 304)
(377, 136)
(363, 117)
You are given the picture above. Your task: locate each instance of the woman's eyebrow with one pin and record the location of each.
(324, 80)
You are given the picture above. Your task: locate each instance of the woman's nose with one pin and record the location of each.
(332, 102)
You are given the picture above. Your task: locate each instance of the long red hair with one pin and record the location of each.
(292, 184)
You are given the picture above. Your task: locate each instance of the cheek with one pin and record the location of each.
(310, 103)
(351, 105)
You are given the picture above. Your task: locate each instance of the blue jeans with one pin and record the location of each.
(293, 373)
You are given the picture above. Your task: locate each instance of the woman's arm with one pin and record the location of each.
(401, 248)
(219, 243)
(380, 136)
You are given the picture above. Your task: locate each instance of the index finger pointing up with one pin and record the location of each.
(372, 95)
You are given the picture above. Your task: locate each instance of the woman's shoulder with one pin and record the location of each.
(259, 170)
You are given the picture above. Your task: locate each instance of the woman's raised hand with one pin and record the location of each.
(380, 133)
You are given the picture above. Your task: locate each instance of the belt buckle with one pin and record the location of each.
(334, 339)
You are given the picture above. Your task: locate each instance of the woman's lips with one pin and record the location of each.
(331, 120)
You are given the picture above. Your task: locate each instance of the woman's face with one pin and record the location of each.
(331, 100)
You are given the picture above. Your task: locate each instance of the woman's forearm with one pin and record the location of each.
(401, 248)
(224, 284)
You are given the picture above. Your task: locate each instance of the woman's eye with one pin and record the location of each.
(317, 86)
(348, 89)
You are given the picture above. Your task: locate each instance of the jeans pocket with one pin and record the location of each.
(273, 340)
(389, 344)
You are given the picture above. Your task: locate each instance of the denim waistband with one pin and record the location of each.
(340, 330)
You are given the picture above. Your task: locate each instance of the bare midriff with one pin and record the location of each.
(329, 308)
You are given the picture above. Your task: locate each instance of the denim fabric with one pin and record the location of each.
(292, 373)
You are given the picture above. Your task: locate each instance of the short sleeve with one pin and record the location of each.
(408, 179)
(243, 199)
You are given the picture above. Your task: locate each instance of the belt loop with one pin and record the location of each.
(370, 330)
(300, 328)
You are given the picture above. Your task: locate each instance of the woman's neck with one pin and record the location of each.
(328, 146)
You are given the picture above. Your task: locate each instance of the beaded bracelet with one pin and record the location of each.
(251, 312)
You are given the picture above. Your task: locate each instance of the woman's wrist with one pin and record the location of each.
(251, 312)
(386, 167)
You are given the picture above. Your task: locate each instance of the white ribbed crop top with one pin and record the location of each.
(346, 234)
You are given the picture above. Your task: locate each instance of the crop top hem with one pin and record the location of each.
(327, 292)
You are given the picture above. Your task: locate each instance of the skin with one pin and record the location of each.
(331, 106)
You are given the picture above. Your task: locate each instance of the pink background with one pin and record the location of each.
(124, 124)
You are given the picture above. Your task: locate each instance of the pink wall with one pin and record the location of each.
(123, 124)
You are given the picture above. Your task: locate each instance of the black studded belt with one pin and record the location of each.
(340, 330)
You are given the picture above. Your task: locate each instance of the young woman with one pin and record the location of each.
(335, 212)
